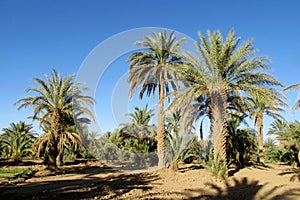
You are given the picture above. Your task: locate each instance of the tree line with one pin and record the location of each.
(226, 83)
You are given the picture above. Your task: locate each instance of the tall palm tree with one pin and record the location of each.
(222, 70)
(57, 102)
(153, 69)
(270, 104)
(17, 140)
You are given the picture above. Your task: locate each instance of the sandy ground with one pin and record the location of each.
(98, 181)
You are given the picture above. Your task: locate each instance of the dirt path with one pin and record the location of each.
(100, 182)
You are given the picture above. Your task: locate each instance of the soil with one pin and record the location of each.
(94, 180)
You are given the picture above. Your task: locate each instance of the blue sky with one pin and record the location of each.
(37, 36)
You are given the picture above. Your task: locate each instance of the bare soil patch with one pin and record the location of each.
(94, 180)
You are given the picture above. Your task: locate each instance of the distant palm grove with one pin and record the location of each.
(225, 84)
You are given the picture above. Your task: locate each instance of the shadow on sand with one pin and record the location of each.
(88, 184)
(240, 189)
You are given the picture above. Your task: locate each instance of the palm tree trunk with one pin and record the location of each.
(260, 137)
(201, 130)
(161, 134)
(218, 131)
(53, 146)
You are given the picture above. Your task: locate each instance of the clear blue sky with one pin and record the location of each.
(36, 36)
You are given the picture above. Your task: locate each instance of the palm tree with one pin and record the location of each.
(294, 87)
(139, 126)
(173, 121)
(270, 104)
(17, 140)
(290, 138)
(139, 133)
(240, 141)
(56, 104)
(277, 128)
(141, 117)
(154, 68)
(223, 69)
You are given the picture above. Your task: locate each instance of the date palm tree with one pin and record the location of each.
(277, 128)
(139, 126)
(270, 104)
(57, 102)
(141, 116)
(173, 121)
(241, 141)
(17, 140)
(294, 87)
(223, 69)
(153, 69)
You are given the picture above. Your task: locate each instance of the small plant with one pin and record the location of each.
(217, 167)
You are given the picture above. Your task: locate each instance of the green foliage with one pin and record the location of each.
(101, 147)
(177, 148)
(57, 103)
(17, 141)
(219, 79)
(241, 146)
(217, 167)
(132, 143)
(137, 136)
(153, 70)
(193, 151)
(240, 142)
(288, 136)
(272, 152)
(23, 174)
(15, 173)
(10, 171)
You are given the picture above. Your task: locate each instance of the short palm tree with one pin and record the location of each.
(222, 70)
(291, 141)
(17, 140)
(57, 102)
(173, 121)
(277, 128)
(139, 126)
(241, 141)
(139, 132)
(141, 117)
(152, 69)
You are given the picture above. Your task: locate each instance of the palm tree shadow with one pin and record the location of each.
(260, 166)
(242, 189)
(4, 162)
(294, 172)
(239, 189)
(88, 186)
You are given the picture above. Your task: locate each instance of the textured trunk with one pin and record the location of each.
(53, 153)
(161, 134)
(218, 131)
(260, 136)
(175, 166)
(51, 158)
